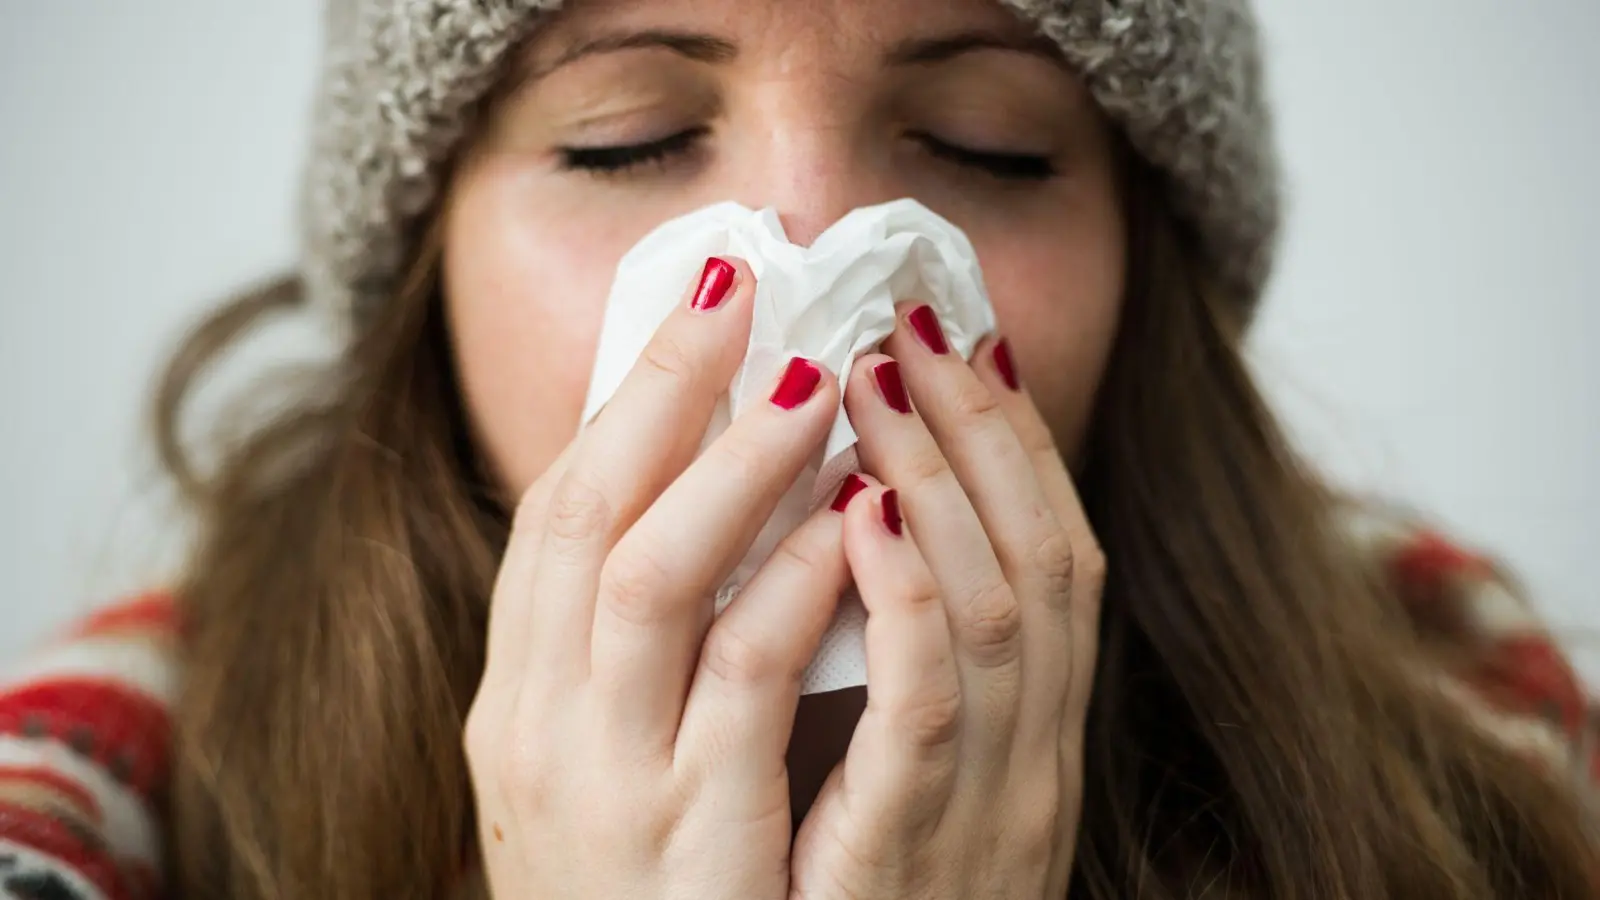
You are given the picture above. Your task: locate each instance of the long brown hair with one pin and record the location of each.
(1261, 725)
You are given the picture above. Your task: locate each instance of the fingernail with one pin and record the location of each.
(1004, 365)
(891, 513)
(925, 322)
(853, 485)
(891, 387)
(716, 280)
(799, 382)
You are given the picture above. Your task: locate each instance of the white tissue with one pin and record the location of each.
(829, 302)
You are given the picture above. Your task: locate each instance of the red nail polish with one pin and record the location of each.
(891, 513)
(1004, 365)
(925, 322)
(799, 382)
(853, 485)
(891, 387)
(716, 280)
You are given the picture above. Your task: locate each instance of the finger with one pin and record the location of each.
(995, 366)
(644, 437)
(896, 445)
(902, 760)
(656, 591)
(965, 415)
(971, 428)
(1080, 614)
(746, 688)
(506, 662)
(1054, 721)
(511, 601)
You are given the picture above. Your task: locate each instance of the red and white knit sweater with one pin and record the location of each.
(84, 728)
(84, 736)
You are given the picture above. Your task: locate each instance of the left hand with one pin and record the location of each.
(964, 776)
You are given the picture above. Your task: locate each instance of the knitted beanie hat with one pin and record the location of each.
(1182, 78)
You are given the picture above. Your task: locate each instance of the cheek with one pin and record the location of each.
(1058, 296)
(525, 284)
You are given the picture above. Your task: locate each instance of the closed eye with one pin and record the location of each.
(1005, 166)
(622, 157)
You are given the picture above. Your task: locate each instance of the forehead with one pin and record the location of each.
(777, 26)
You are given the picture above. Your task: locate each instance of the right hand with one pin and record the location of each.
(622, 744)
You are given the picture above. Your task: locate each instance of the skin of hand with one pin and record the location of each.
(624, 743)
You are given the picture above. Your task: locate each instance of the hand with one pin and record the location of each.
(964, 776)
(621, 744)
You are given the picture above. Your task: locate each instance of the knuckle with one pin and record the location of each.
(1036, 827)
(671, 358)
(524, 775)
(974, 402)
(480, 734)
(1037, 441)
(1055, 558)
(742, 461)
(508, 754)
(1089, 566)
(579, 510)
(933, 719)
(926, 466)
(800, 551)
(632, 587)
(991, 625)
(1041, 449)
(920, 595)
(736, 659)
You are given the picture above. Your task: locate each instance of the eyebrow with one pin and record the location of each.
(698, 47)
(709, 49)
(924, 51)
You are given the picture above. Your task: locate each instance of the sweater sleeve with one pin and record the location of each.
(84, 743)
(1504, 664)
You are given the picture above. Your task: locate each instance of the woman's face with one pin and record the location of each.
(632, 112)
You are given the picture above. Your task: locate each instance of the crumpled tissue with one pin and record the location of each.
(830, 302)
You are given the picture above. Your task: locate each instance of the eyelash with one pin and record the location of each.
(620, 159)
(614, 160)
(1004, 166)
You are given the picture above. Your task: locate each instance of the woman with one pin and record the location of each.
(1121, 642)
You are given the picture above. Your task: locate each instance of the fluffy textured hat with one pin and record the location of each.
(1181, 77)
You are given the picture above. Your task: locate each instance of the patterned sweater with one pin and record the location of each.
(85, 734)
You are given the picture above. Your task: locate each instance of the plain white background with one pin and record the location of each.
(1430, 334)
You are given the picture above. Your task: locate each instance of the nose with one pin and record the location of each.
(813, 175)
